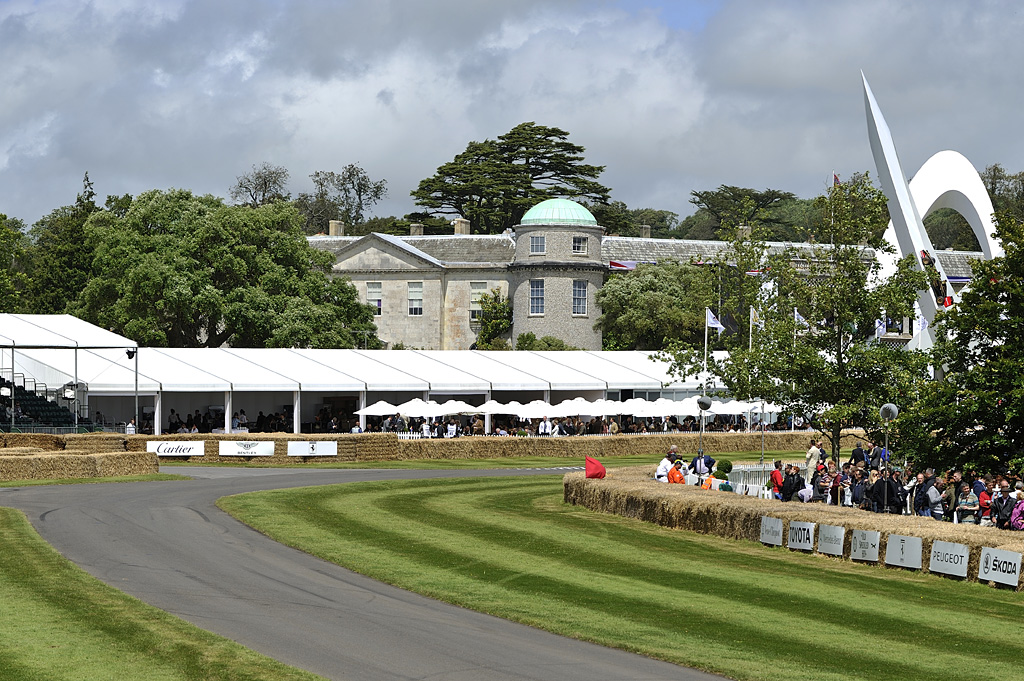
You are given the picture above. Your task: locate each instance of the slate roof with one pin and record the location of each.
(500, 249)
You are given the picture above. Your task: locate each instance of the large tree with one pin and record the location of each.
(827, 361)
(264, 184)
(345, 196)
(60, 257)
(648, 307)
(974, 416)
(179, 270)
(494, 182)
(13, 247)
(619, 219)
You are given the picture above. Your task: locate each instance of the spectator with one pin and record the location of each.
(1017, 517)
(954, 499)
(675, 473)
(925, 481)
(661, 473)
(812, 457)
(1002, 506)
(794, 485)
(702, 464)
(985, 501)
(778, 479)
(968, 505)
(935, 499)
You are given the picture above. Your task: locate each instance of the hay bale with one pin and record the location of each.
(125, 463)
(17, 468)
(42, 441)
(631, 492)
(96, 442)
(64, 467)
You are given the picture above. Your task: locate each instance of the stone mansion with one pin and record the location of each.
(427, 289)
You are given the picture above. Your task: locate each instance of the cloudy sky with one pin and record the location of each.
(670, 96)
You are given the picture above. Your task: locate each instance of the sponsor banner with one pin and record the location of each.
(864, 545)
(246, 448)
(771, 531)
(312, 448)
(903, 551)
(171, 448)
(801, 536)
(999, 566)
(949, 558)
(830, 539)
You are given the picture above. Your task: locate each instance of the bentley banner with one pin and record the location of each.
(246, 448)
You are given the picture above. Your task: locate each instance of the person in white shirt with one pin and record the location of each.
(545, 427)
(661, 474)
(129, 429)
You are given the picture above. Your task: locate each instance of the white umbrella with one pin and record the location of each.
(573, 407)
(493, 407)
(534, 410)
(606, 407)
(381, 408)
(417, 407)
(458, 407)
(635, 405)
(730, 407)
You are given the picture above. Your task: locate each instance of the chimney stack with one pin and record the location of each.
(461, 225)
(416, 229)
(336, 228)
(645, 231)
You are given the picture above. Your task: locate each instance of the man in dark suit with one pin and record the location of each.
(859, 455)
(701, 465)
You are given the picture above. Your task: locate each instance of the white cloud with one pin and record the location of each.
(669, 97)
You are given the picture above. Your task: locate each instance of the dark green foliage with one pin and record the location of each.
(977, 410)
(61, 255)
(618, 219)
(494, 182)
(181, 270)
(723, 466)
(495, 321)
(345, 196)
(529, 341)
(646, 308)
(14, 246)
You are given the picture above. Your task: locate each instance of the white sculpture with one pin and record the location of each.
(946, 180)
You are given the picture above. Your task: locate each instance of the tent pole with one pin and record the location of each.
(76, 390)
(138, 424)
(296, 411)
(228, 407)
(362, 405)
(158, 410)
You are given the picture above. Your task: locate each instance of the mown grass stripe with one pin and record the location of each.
(508, 546)
(58, 622)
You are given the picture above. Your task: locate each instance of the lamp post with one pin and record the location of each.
(703, 403)
(133, 353)
(888, 412)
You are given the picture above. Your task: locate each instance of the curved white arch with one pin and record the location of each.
(946, 180)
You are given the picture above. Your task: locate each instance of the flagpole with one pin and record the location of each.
(703, 389)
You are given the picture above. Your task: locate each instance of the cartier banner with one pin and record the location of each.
(168, 448)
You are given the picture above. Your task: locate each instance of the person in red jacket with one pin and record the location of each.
(675, 474)
(778, 479)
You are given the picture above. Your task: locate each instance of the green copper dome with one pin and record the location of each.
(558, 212)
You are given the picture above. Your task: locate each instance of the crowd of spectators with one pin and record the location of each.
(868, 482)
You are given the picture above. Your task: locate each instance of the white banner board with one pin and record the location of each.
(312, 448)
(830, 539)
(903, 551)
(172, 448)
(949, 558)
(246, 448)
(801, 536)
(999, 566)
(864, 545)
(771, 531)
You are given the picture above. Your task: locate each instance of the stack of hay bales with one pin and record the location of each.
(35, 456)
(632, 492)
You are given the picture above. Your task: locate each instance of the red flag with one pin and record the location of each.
(594, 468)
(835, 180)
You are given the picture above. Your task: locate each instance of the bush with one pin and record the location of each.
(724, 466)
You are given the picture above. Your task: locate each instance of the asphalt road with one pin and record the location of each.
(167, 544)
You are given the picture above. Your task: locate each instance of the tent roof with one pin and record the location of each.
(440, 376)
(56, 331)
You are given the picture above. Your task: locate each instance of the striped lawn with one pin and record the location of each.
(510, 547)
(58, 622)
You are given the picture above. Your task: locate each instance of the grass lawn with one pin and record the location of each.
(502, 462)
(77, 481)
(510, 547)
(58, 622)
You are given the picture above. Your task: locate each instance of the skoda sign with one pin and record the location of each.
(999, 566)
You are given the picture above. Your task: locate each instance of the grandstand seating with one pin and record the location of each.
(36, 411)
